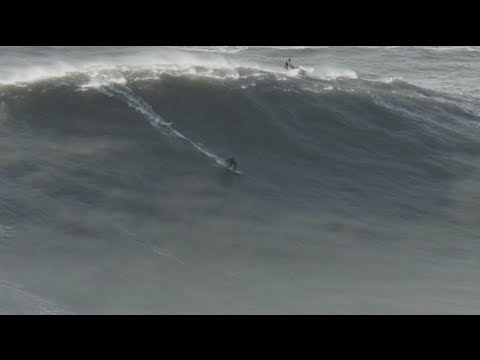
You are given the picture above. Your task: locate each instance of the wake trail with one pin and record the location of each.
(134, 101)
(125, 94)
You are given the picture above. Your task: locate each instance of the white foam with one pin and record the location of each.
(98, 80)
(449, 48)
(136, 103)
(329, 73)
(58, 65)
(35, 73)
(393, 79)
(215, 49)
(377, 47)
(154, 61)
(291, 47)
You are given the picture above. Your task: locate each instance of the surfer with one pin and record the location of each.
(232, 164)
(288, 64)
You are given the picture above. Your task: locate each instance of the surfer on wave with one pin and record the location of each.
(288, 65)
(231, 164)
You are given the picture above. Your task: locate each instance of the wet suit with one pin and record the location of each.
(232, 164)
(288, 64)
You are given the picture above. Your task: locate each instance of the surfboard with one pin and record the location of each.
(234, 171)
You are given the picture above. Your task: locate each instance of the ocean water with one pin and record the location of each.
(359, 192)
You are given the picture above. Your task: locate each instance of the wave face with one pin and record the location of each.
(112, 170)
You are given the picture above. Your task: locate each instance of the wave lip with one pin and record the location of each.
(450, 48)
(216, 49)
(35, 73)
(218, 62)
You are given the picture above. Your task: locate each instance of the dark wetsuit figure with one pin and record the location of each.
(232, 164)
(288, 64)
